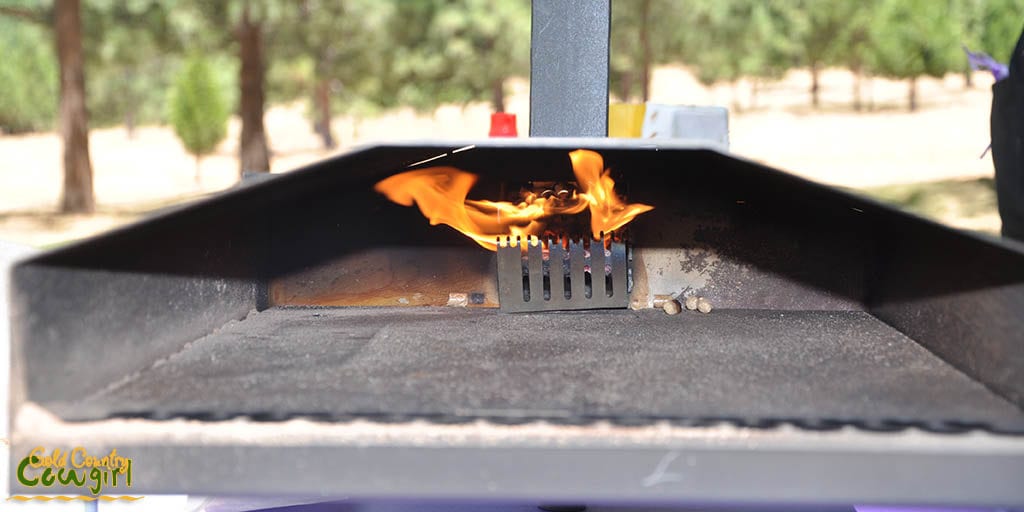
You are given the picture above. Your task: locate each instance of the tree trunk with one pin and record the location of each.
(858, 82)
(968, 78)
(323, 106)
(912, 95)
(645, 47)
(871, 93)
(357, 122)
(131, 105)
(129, 122)
(498, 95)
(626, 86)
(199, 178)
(253, 153)
(755, 88)
(815, 85)
(734, 86)
(77, 195)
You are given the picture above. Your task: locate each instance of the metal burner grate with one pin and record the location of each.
(559, 274)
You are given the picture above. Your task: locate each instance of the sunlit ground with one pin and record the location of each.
(967, 203)
(927, 161)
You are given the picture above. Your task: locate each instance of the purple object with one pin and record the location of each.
(862, 508)
(982, 60)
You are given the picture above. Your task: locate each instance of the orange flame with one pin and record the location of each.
(440, 193)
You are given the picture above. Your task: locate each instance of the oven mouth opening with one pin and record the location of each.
(316, 296)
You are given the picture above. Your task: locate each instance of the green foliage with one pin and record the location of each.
(856, 44)
(196, 108)
(456, 50)
(341, 42)
(817, 25)
(128, 46)
(28, 72)
(1001, 22)
(970, 13)
(716, 50)
(370, 55)
(724, 40)
(740, 38)
(128, 94)
(916, 38)
(625, 55)
(770, 48)
(630, 33)
(290, 77)
(942, 200)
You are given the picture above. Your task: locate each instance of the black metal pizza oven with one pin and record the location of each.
(848, 341)
(295, 336)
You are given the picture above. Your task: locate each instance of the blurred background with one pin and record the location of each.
(110, 109)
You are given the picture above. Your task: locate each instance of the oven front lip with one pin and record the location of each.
(600, 463)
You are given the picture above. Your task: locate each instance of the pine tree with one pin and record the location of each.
(197, 111)
(916, 38)
(246, 28)
(817, 25)
(1001, 23)
(28, 71)
(128, 46)
(332, 52)
(65, 19)
(716, 49)
(643, 33)
(855, 46)
(457, 51)
(770, 48)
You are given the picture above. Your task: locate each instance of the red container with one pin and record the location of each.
(503, 124)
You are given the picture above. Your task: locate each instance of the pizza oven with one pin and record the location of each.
(487, 320)
(312, 301)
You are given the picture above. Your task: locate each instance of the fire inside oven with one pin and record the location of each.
(549, 256)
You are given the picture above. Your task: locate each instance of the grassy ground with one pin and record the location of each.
(964, 203)
(46, 229)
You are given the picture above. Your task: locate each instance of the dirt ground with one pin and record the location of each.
(934, 151)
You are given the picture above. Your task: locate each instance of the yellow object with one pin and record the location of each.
(626, 119)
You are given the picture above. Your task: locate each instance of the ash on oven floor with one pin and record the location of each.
(443, 362)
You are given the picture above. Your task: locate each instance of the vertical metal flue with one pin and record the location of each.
(569, 68)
